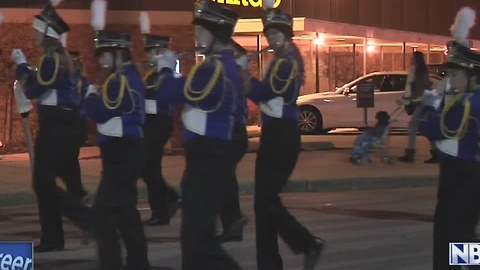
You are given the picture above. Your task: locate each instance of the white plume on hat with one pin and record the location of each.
(464, 21)
(144, 22)
(268, 4)
(55, 2)
(98, 10)
(63, 39)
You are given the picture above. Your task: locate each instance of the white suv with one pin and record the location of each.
(322, 112)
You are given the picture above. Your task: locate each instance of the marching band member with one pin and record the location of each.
(454, 125)
(279, 148)
(209, 96)
(118, 109)
(232, 219)
(56, 143)
(158, 128)
(82, 84)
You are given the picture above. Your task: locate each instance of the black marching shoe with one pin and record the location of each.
(154, 221)
(433, 159)
(312, 256)
(234, 233)
(47, 248)
(408, 157)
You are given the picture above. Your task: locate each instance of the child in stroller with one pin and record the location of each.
(371, 137)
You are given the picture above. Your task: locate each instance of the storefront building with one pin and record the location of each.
(340, 39)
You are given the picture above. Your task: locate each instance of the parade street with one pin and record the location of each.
(374, 230)
(373, 220)
(322, 166)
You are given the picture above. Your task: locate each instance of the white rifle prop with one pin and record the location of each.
(24, 107)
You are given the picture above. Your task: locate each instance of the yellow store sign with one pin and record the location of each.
(246, 3)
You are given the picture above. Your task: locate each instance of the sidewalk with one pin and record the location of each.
(327, 170)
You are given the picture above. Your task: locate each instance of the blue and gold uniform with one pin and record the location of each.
(52, 85)
(119, 111)
(158, 128)
(209, 97)
(76, 186)
(276, 95)
(454, 124)
(81, 84)
(232, 219)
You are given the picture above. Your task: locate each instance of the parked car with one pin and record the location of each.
(322, 112)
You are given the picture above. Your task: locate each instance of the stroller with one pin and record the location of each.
(374, 138)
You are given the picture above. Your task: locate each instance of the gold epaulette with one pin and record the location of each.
(51, 80)
(114, 104)
(460, 132)
(145, 79)
(195, 95)
(247, 84)
(286, 81)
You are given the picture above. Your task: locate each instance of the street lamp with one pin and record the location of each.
(318, 41)
(370, 48)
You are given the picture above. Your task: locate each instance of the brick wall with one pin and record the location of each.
(80, 38)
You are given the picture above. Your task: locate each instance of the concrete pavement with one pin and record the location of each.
(327, 170)
(388, 229)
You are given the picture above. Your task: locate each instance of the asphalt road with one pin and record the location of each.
(383, 229)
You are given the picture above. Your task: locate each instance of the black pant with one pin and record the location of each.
(157, 130)
(115, 205)
(276, 159)
(232, 212)
(457, 211)
(55, 156)
(73, 176)
(204, 192)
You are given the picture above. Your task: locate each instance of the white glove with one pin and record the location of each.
(23, 104)
(92, 89)
(242, 62)
(18, 57)
(167, 60)
(432, 98)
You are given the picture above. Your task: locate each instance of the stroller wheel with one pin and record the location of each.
(358, 161)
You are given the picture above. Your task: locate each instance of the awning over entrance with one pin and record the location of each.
(348, 33)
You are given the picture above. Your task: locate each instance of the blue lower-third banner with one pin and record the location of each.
(16, 255)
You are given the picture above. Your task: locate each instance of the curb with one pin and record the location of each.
(328, 185)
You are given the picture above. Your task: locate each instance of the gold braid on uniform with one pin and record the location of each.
(287, 81)
(149, 74)
(157, 82)
(79, 86)
(114, 104)
(247, 84)
(195, 95)
(463, 127)
(51, 80)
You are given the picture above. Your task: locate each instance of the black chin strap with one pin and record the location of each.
(114, 64)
